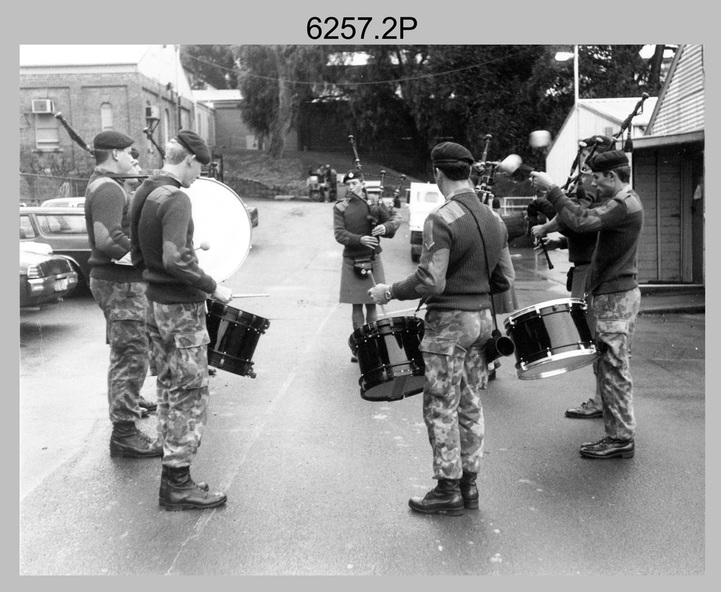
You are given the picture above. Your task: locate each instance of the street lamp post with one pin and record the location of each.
(563, 56)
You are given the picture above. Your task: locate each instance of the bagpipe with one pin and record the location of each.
(575, 174)
(380, 188)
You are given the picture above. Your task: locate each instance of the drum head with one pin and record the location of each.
(222, 221)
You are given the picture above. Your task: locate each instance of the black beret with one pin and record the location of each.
(602, 163)
(110, 140)
(352, 175)
(194, 144)
(606, 143)
(450, 153)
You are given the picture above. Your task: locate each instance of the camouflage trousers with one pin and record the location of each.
(180, 345)
(456, 374)
(124, 305)
(614, 319)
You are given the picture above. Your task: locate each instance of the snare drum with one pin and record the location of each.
(551, 338)
(234, 335)
(389, 358)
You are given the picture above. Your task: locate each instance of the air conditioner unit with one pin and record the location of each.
(152, 112)
(43, 106)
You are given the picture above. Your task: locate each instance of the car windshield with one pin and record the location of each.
(62, 223)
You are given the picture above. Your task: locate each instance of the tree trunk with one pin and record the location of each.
(284, 120)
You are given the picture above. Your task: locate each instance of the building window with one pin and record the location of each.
(46, 132)
(106, 116)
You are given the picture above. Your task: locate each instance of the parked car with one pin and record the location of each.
(63, 229)
(45, 278)
(64, 202)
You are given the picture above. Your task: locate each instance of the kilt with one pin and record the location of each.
(354, 290)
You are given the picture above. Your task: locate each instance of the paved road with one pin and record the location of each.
(318, 479)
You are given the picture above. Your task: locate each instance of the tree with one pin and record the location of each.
(274, 80)
(211, 64)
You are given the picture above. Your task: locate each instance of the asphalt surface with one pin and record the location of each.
(318, 479)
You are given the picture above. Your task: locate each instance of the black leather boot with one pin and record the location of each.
(127, 441)
(469, 491)
(445, 498)
(163, 493)
(184, 494)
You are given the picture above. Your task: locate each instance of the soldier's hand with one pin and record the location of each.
(541, 180)
(369, 241)
(222, 294)
(378, 293)
(549, 243)
(538, 232)
(379, 230)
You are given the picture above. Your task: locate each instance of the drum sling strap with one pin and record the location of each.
(497, 345)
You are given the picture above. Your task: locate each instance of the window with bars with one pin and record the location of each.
(46, 132)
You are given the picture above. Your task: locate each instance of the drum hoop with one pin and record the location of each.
(523, 368)
(537, 308)
(234, 258)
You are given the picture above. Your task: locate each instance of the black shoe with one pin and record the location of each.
(184, 494)
(469, 491)
(445, 498)
(609, 448)
(127, 441)
(587, 410)
(163, 492)
(212, 371)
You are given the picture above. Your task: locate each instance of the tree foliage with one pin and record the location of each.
(211, 64)
(274, 80)
(416, 95)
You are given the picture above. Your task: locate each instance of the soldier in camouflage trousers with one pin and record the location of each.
(615, 319)
(180, 344)
(124, 307)
(162, 226)
(611, 289)
(458, 271)
(120, 292)
(455, 375)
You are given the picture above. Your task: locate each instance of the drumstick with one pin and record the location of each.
(250, 295)
(545, 252)
(370, 273)
(408, 310)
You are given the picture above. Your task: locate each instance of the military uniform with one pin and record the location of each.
(613, 298)
(162, 247)
(120, 292)
(457, 272)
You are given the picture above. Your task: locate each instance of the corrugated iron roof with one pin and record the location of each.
(619, 109)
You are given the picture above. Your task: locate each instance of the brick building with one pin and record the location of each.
(127, 88)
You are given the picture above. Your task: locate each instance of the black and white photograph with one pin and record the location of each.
(432, 299)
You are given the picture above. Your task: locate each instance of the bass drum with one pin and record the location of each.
(222, 223)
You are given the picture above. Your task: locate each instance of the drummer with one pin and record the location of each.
(612, 289)
(457, 273)
(162, 246)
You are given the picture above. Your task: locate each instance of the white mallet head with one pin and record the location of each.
(510, 164)
(540, 138)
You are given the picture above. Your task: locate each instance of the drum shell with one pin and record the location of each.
(551, 338)
(234, 336)
(389, 358)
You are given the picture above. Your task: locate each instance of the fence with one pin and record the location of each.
(35, 188)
